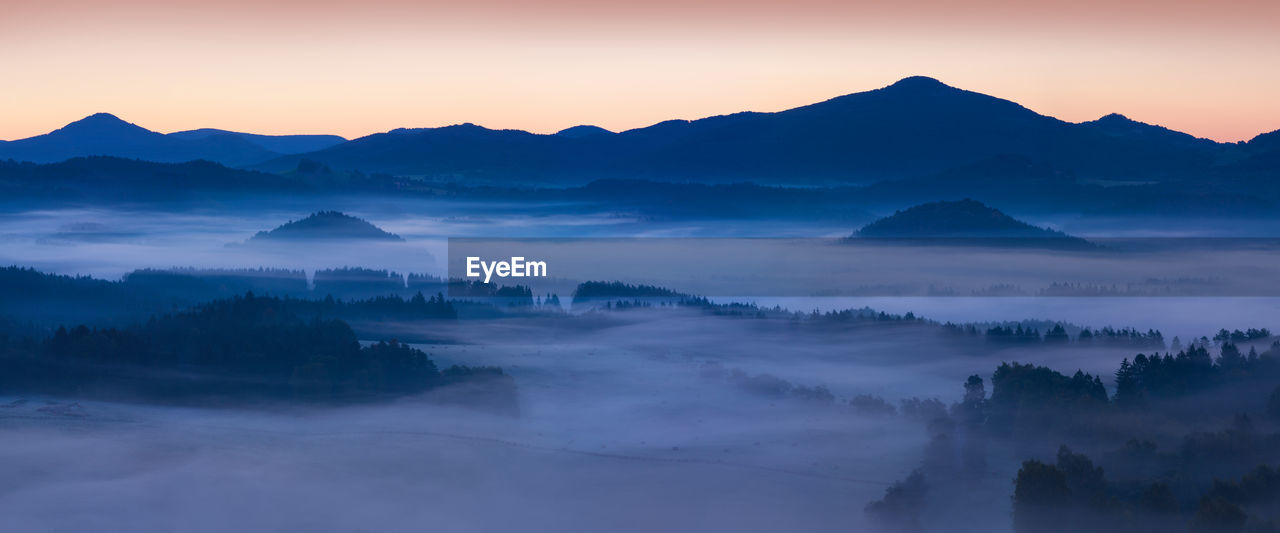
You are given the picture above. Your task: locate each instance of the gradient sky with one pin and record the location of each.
(354, 68)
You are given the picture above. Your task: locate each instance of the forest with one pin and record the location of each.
(1186, 441)
(241, 350)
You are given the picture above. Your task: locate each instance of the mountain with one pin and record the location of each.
(913, 141)
(326, 225)
(578, 132)
(104, 134)
(1266, 142)
(279, 144)
(915, 127)
(1117, 126)
(1264, 152)
(964, 219)
(97, 179)
(460, 151)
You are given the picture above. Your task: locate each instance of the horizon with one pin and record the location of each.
(128, 120)
(351, 69)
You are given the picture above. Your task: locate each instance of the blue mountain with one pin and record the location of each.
(578, 132)
(326, 225)
(915, 127)
(959, 218)
(918, 132)
(280, 144)
(104, 134)
(964, 222)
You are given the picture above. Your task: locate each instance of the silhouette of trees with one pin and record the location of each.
(972, 409)
(1216, 515)
(245, 346)
(1028, 398)
(1241, 336)
(871, 405)
(1161, 490)
(1190, 371)
(900, 508)
(1073, 494)
(1039, 496)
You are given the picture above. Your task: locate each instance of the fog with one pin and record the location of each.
(628, 421)
(110, 242)
(1184, 317)
(615, 433)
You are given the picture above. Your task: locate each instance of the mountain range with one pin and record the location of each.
(915, 128)
(104, 134)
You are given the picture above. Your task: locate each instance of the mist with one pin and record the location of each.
(671, 417)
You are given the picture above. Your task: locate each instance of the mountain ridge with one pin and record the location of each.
(105, 134)
(280, 144)
(916, 127)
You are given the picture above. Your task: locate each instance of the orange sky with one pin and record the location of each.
(354, 68)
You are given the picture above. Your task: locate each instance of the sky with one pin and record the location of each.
(359, 67)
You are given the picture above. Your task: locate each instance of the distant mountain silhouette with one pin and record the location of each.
(915, 127)
(578, 132)
(1266, 141)
(97, 179)
(1246, 188)
(962, 219)
(104, 134)
(280, 144)
(326, 225)
(1119, 126)
(914, 141)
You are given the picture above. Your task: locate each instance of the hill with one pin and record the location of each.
(963, 219)
(113, 179)
(578, 132)
(326, 225)
(279, 144)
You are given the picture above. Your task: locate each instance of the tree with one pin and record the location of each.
(903, 502)
(1218, 515)
(1039, 496)
(1086, 481)
(1057, 335)
(972, 409)
(1129, 384)
(1230, 357)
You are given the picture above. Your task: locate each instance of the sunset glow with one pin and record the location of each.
(355, 68)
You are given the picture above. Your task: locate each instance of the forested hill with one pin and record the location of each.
(961, 218)
(326, 225)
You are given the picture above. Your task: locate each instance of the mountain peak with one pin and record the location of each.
(918, 83)
(101, 116)
(578, 132)
(1117, 125)
(1115, 117)
(102, 124)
